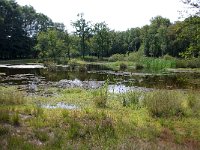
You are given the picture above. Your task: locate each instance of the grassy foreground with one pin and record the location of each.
(154, 120)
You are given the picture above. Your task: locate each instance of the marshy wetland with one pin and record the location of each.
(65, 107)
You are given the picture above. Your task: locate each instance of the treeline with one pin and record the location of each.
(24, 33)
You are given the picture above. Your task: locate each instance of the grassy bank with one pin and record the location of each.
(154, 120)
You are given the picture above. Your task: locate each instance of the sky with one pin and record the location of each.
(120, 15)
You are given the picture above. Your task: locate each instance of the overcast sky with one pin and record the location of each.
(118, 14)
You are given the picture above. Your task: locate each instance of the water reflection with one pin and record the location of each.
(60, 105)
(122, 80)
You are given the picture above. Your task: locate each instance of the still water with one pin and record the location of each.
(38, 74)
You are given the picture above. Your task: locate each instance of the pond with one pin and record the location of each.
(94, 77)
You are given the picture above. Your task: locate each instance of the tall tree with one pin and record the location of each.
(83, 30)
(101, 39)
(156, 40)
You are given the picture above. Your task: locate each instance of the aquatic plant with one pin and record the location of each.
(100, 96)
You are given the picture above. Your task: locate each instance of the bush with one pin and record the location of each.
(188, 63)
(4, 115)
(100, 96)
(123, 66)
(135, 56)
(116, 57)
(82, 68)
(164, 103)
(11, 97)
(138, 66)
(15, 119)
(73, 64)
(193, 63)
(168, 57)
(131, 99)
(194, 103)
(180, 63)
(3, 130)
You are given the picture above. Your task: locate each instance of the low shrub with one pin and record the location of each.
(193, 63)
(194, 103)
(135, 56)
(168, 57)
(123, 66)
(163, 103)
(15, 119)
(100, 96)
(188, 63)
(4, 115)
(73, 63)
(41, 135)
(138, 66)
(82, 68)
(180, 63)
(4, 130)
(131, 98)
(11, 97)
(116, 57)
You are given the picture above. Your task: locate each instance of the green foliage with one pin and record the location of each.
(101, 39)
(15, 119)
(17, 143)
(19, 24)
(132, 99)
(83, 31)
(116, 57)
(168, 57)
(73, 63)
(158, 64)
(163, 103)
(52, 44)
(82, 68)
(135, 56)
(139, 66)
(100, 96)
(194, 103)
(41, 135)
(188, 63)
(11, 97)
(4, 130)
(123, 66)
(4, 115)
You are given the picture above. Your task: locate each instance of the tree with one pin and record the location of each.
(19, 26)
(83, 30)
(52, 44)
(155, 37)
(101, 39)
(190, 34)
(13, 38)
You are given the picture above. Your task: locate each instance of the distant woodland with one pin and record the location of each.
(24, 33)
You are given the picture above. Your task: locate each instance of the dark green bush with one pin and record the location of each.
(123, 66)
(138, 66)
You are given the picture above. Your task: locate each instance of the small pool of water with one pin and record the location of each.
(119, 89)
(60, 105)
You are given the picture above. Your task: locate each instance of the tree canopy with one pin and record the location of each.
(24, 33)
